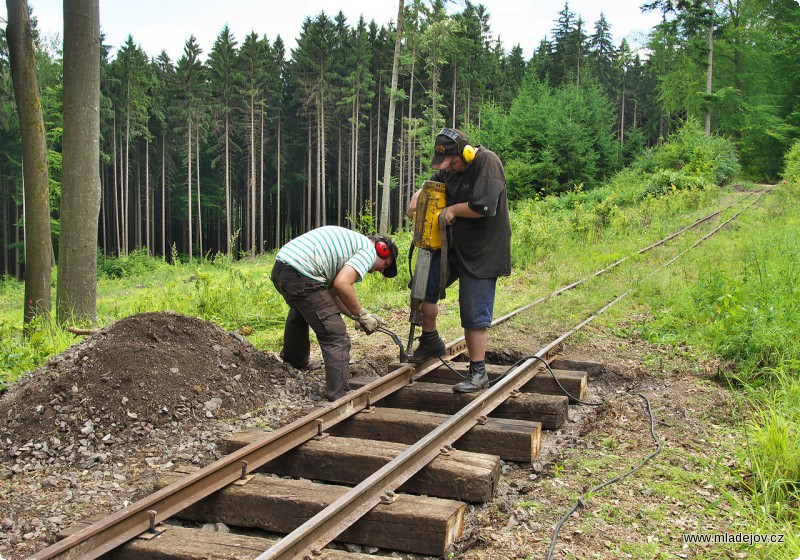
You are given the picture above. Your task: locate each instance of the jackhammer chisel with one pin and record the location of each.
(429, 237)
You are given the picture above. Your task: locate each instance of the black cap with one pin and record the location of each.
(391, 270)
(449, 142)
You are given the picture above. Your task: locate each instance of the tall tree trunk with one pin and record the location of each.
(318, 180)
(434, 92)
(147, 221)
(38, 246)
(351, 167)
(137, 208)
(622, 117)
(6, 226)
(411, 179)
(252, 175)
(374, 178)
(117, 237)
(320, 197)
(387, 163)
(356, 119)
(710, 72)
(372, 148)
(163, 197)
(262, 223)
(17, 271)
(127, 181)
(189, 184)
(309, 197)
(122, 237)
(227, 187)
(455, 82)
(278, 188)
(199, 207)
(104, 208)
(80, 187)
(339, 165)
(469, 102)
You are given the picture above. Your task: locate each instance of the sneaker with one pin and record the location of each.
(428, 349)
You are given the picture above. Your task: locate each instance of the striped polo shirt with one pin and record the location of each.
(321, 253)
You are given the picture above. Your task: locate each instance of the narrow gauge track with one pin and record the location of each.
(520, 386)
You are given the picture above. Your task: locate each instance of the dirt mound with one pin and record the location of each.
(156, 368)
(88, 432)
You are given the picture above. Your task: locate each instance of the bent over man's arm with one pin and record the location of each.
(343, 287)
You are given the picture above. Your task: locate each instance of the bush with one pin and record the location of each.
(666, 180)
(137, 263)
(693, 153)
(791, 172)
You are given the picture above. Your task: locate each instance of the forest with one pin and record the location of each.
(239, 149)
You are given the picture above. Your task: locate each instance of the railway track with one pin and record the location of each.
(391, 465)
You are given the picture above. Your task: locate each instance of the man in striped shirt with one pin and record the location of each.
(315, 274)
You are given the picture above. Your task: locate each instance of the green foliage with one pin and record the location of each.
(8, 285)
(22, 352)
(644, 196)
(232, 298)
(552, 138)
(745, 305)
(791, 172)
(773, 454)
(665, 180)
(137, 263)
(691, 152)
(768, 465)
(364, 221)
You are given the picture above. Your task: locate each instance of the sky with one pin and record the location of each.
(167, 24)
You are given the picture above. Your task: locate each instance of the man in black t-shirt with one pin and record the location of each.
(479, 252)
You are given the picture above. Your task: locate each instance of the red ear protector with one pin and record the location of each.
(467, 152)
(382, 248)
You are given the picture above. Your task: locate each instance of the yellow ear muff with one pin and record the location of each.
(468, 153)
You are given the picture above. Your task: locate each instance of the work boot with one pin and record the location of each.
(431, 345)
(476, 381)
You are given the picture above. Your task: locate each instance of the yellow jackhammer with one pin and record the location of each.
(430, 235)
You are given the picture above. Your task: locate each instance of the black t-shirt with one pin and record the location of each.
(481, 245)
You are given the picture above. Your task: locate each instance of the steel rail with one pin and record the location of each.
(307, 540)
(138, 518)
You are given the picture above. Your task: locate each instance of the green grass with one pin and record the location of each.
(738, 299)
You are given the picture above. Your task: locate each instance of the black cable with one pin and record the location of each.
(441, 359)
(582, 500)
(553, 375)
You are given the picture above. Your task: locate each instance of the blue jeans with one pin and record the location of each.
(475, 297)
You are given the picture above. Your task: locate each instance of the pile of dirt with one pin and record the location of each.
(95, 425)
(155, 368)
